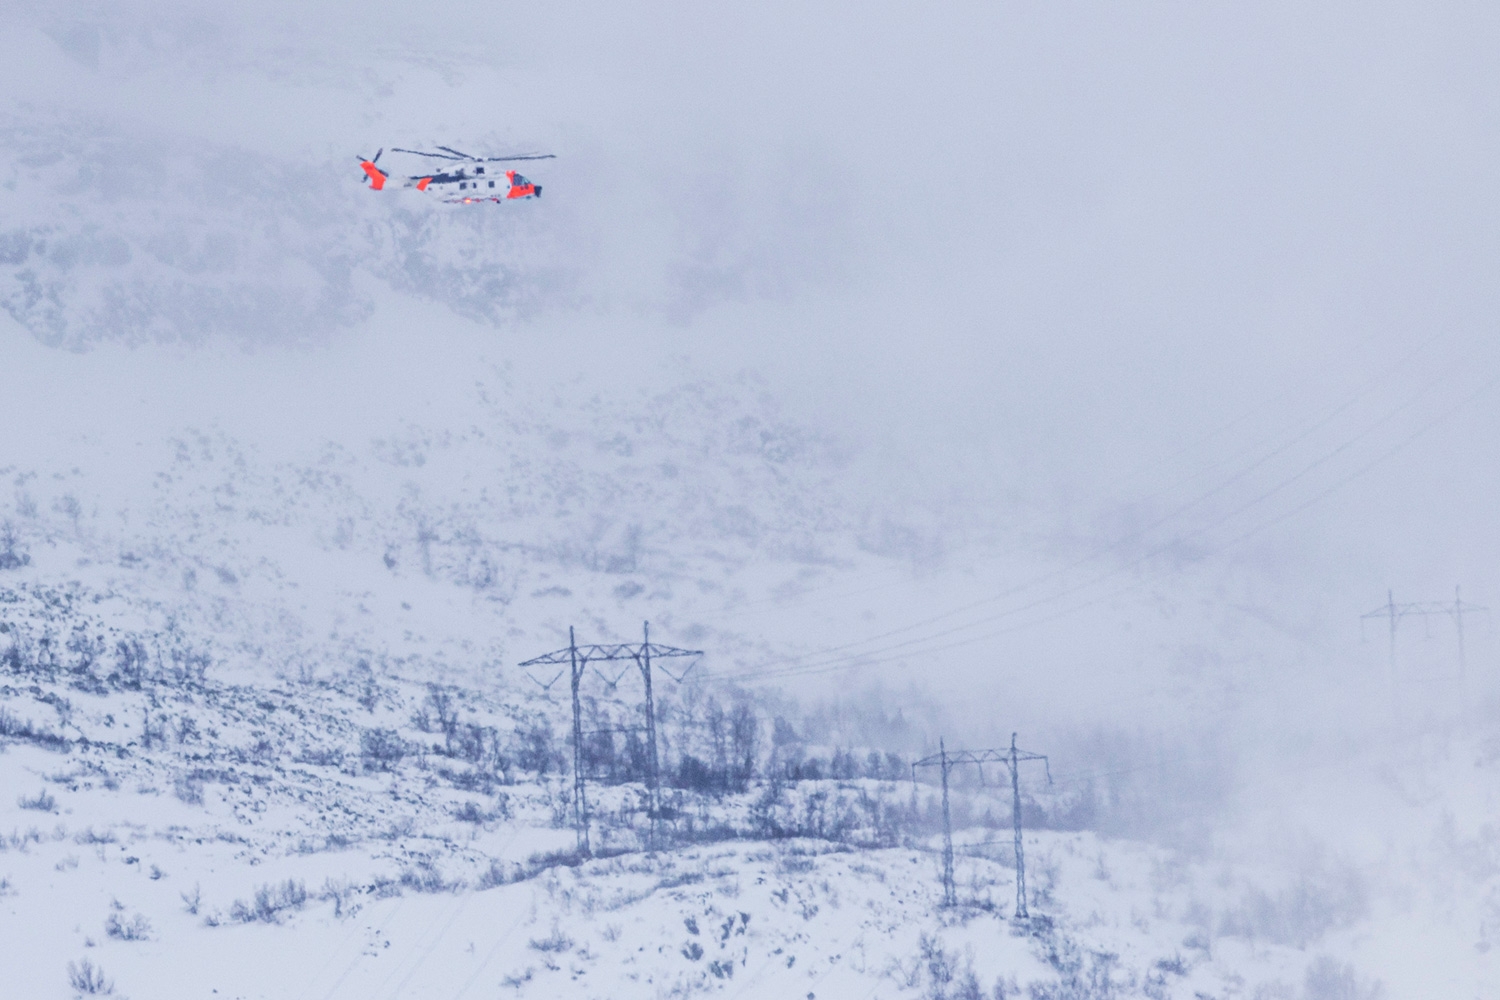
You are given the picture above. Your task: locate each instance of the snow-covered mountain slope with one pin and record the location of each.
(380, 831)
(177, 836)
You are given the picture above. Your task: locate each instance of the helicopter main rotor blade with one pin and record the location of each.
(521, 156)
(455, 152)
(418, 152)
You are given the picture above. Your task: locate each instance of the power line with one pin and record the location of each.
(1400, 365)
(865, 657)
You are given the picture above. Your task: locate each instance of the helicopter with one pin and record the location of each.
(463, 179)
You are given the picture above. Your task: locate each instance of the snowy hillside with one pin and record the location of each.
(382, 836)
(386, 836)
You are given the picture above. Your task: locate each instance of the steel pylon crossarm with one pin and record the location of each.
(620, 651)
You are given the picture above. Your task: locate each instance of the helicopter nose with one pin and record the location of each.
(538, 190)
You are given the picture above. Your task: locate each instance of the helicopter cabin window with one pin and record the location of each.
(462, 186)
(492, 183)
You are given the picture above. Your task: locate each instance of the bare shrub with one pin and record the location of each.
(137, 928)
(12, 556)
(42, 802)
(517, 979)
(425, 877)
(566, 857)
(188, 789)
(1176, 965)
(321, 756)
(270, 902)
(470, 812)
(495, 875)
(553, 943)
(340, 892)
(381, 749)
(191, 900)
(24, 729)
(88, 978)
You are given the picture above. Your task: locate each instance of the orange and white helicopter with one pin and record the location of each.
(463, 179)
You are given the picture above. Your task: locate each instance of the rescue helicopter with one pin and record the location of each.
(462, 179)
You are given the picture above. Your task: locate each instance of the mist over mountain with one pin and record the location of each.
(945, 374)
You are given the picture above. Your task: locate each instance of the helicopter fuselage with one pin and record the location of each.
(470, 184)
(467, 184)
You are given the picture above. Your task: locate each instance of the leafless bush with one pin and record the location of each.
(1081, 975)
(495, 875)
(12, 556)
(191, 900)
(425, 877)
(42, 802)
(90, 837)
(321, 756)
(137, 928)
(24, 729)
(270, 902)
(380, 749)
(88, 978)
(470, 812)
(1176, 965)
(188, 789)
(340, 892)
(517, 979)
(553, 943)
(552, 859)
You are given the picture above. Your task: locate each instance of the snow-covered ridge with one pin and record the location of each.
(379, 831)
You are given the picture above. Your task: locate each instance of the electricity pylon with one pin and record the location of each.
(577, 658)
(1012, 758)
(1393, 613)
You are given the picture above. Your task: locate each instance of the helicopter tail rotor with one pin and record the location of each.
(375, 174)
